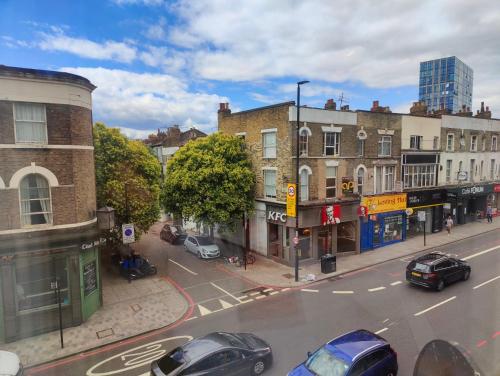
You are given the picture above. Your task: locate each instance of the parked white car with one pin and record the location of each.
(10, 365)
(201, 246)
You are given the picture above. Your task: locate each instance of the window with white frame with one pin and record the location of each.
(450, 142)
(384, 146)
(270, 183)
(360, 179)
(384, 178)
(493, 143)
(303, 142)
(31, 123)
(304, 185)
(473, 143)
(331, 143)
(435, 143)
(492, 169)
(415, 142)
(421, 175)
(331, 181)
(360, 148)
(36, 205)
(448, 170)
(269, 144)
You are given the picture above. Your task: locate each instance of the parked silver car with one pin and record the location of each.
(201, 246)
(10, 365)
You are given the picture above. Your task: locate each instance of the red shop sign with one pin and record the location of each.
(362, 211)
(497, 188)
(330, 214)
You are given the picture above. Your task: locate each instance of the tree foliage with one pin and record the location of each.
(210, 181)
(127, 175)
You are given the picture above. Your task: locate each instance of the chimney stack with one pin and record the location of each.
(482, 114)
(330, 105)
(377, 108)
(224, 109)
(344, 108)
(418, 108)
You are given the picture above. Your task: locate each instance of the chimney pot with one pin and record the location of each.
(482, 106)
(487, 108)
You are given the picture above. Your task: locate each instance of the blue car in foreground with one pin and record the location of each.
(357, 353)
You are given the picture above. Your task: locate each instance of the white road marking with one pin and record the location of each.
(183, 267)
(396, 283)
(274, 293)
(381, 330)
(267, 290)
(480, 253)
(225, 304)
(246, 301)
(224, 291)
(285, 289)
(343, 292)
(192, 318)
(309, 290)
(243, 296)
(204, 311)
(255, 293)
(383, 322)
(434, 306)
(484, 283)
(261, 297)
(377, 289)
(146, 374)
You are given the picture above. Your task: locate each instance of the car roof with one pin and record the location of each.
(200, 347)
(352, 345)
(432, 258)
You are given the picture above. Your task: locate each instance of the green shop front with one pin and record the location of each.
(29, 268)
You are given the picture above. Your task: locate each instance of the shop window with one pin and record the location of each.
(450, 139)
(270, 183)
(331, 181)
(305, 243)
(384, 146)
(393, 228)
(34, 282)
(303, 142)
(304, 185)
(361, 180)
(346, 237)
(269, 144)
(30, 123)
(331, 143)
(36, 206)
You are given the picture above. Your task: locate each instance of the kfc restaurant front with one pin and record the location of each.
(383, 220)
(323, 228)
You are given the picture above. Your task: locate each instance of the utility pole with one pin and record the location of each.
(297, 179)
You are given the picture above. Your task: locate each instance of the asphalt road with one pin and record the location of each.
(296, 321)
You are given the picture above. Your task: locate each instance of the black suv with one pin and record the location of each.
(436, 269)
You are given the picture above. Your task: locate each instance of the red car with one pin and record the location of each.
(173, 234)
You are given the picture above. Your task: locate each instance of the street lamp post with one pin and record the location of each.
(297, 186)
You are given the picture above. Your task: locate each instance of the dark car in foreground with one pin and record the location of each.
(217, 354)
(435, 270)
(357, 353)
(173, 234)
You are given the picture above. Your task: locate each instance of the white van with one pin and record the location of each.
(10, 365)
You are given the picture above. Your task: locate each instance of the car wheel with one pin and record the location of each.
(258, 367)
(199, 255)
(392, 373)
(440, 285)
(466, 275)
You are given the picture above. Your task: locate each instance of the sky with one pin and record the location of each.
(157, 63)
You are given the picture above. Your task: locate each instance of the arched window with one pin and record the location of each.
(361, 180)
(36, 206)
(303, 141)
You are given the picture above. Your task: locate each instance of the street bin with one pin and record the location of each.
(328, 263)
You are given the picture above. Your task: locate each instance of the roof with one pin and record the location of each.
(432, 258)
(350, 345)
(199, 347)
(289, 103)
(17, 72)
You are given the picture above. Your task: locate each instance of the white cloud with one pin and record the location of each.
(136, 133)
(170, 61)
(108, 50)
(147, 101)
(157, 31)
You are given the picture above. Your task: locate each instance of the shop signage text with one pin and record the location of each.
(386, 203)
(95, 243)
(472, 190)
(276, 215)
(423, 198)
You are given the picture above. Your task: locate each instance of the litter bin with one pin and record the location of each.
(328, 263)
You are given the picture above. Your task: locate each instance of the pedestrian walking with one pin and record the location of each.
(489, 214)
(449, 224)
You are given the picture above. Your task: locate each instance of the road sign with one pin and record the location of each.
(421, 215)
(295, 240)
(128, 233)
(291, 198)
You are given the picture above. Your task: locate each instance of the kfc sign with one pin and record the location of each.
(330, 214)
(275, 215)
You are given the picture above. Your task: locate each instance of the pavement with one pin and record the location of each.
(297, 320)
(269, 273)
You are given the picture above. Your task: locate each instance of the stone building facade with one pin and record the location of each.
(48, 227)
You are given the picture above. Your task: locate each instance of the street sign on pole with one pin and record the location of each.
(295, 240)
(421, 215)
(128, 233)
(291, 197)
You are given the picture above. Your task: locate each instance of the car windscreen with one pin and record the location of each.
(324, 363)
(237, 341)
(172, 361)
(422, 268)
(204, 241)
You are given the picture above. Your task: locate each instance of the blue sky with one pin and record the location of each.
(157, 63)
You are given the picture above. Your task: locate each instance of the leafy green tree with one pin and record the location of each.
(210, 180)
(127, 178)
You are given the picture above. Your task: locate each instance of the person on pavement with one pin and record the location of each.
(449, 224)
(489, 214)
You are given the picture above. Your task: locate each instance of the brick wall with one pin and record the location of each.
(6, 123)
(84, 182)
(9, 209)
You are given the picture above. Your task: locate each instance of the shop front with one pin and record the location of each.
(494, 200)
(318, 234)
(468, 203)
(429, 201)
(384, 220)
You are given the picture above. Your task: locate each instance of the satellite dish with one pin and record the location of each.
(362, 134)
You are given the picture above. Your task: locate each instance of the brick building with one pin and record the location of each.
(47, 201)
